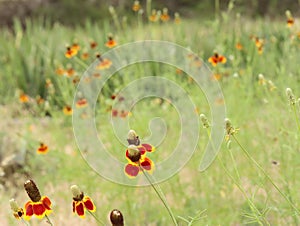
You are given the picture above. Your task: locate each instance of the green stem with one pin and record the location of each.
(251, 204)
(48, 220)
(98, 220)
(266, 175)
(81, 62)
(161, 197)
(24, 222)
(296, 117)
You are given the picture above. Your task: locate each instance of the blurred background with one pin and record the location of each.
(73, 12)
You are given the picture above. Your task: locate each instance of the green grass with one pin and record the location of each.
(268, 129)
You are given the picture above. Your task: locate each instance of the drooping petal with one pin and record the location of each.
(148, 147)
(80, 209)
(73, 205)
(147, 164)
(38, 209)
(46, 202)
(28, 210)
(88, 203)
(131, 170)
(142, 149)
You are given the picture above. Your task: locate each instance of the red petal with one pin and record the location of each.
(131, 170)
(142, 150)
(89, 204)
(38, 209)
(148, 147)
(147, 164)
(73, 204)
(28, 209)
(80, 209)
(46, 202)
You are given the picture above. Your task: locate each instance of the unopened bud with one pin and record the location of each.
(116, 218)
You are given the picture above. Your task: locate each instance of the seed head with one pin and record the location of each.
(133, 138)
(133, 153)
(32, 191)
(77, 194)
(291, 96)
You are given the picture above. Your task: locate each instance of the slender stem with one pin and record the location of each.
(266, 175)
(296, 117)
(161, 197)
(98, 220)
(48, 220)
(251, 204)
(81, 62)
(24, 222)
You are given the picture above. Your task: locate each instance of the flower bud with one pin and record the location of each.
(116, 218)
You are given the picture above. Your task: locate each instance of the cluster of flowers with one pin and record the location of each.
(40, 206)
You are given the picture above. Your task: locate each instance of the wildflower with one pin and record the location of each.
(93, 44)
(42, 149)
(97, 75)
(261, 80)
(76, 79)
(177, 19)
(85, 55)
(67, 110)
(230, 130)
(81, 103)
(23, 98)
(136, 156)
(75, 46)
(154, 16)
(290, 20)
(113, 96)
(81, 202)
(116, 218)
(111, 42)
(291, 96)
(18, 212)
(104, 63)
(123, 114)
(165, 15)
(38, 205)
(239, 46)
(114, 113)
(216, 58)
(39, 100)
(70, 71)
(70, 52)
(136, 6)
(60, 71)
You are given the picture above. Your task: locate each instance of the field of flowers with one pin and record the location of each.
(48, 178)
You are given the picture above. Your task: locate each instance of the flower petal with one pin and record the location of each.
(73, 205)
(28, 210)
(38, 209)
(131, 170)
(148, 165)
(46, 202)
(148, 147)
(80, 209)
(88, 203)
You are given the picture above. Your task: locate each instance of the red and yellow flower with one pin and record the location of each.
(81, 202)
(165, 15)
(71, 51)
(23, 98)
(289, 18)
(217, 58)
(42, 149)
(154, 16)
(136, 6)
(67, 110)
(81, 103)
(137, 159)
(111, 42)
(93, 44)
(104, 63)
(38, 206)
